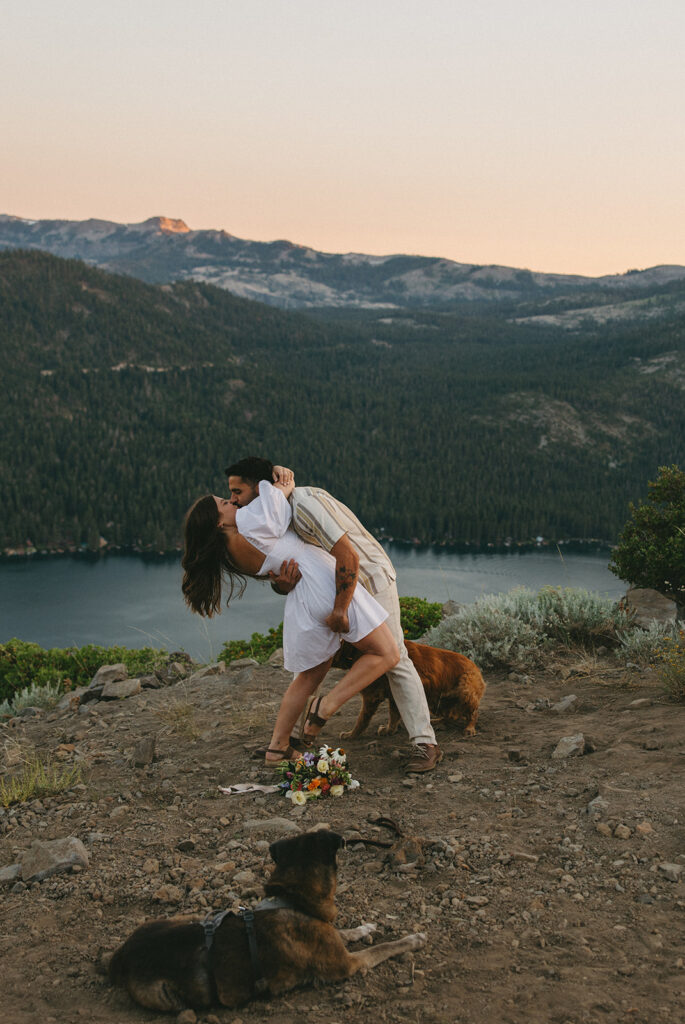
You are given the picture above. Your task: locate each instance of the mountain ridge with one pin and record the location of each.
(291, 276)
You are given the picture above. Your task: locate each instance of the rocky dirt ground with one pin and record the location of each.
(540, 905)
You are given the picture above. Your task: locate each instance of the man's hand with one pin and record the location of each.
(283, 475)
(337, 621)
(285, 580)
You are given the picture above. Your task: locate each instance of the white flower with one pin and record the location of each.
(324, 751)
(298, 797)
(338, 756)
(354, 784)
(322, 766)
(337, 790)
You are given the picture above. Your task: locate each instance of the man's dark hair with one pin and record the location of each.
(252, 469)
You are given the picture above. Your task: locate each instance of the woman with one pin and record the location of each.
(225, 542)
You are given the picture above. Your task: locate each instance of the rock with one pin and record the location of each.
(642, 702)
(144, 751)
(672, 872)
(150, 682)
(186, 845)
(72, 699)
(217, 669)
(271, 825)
(50, 858)
(652, 744)
(603, 828)
(622, 832)
(648, 606)
(246, 877)
(170, 673)
(243, 663)
(451, 608)
(109, 674)
(457, 777)
(477, 901)
(644, 828)
(10, 874)
(276, 659)
(151, 866)
(569, 746)
(168, 894)
(598, 806)
(243, 678)
(187, 1017)
(118, 689)
(565, 704)
(514, 754)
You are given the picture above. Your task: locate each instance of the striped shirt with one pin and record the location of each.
(321, 519)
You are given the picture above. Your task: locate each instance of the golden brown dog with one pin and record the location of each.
(454, 688)
(176, 963)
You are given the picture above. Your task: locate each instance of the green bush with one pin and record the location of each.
(418, 616)
(644, 646)
(260, 646)
(24, 664)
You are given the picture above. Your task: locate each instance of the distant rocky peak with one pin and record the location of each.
(169, 225)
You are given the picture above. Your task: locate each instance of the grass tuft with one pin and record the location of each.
(38, 778)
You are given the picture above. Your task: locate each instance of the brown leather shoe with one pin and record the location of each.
(426, 757)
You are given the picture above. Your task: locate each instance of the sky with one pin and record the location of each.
(547, 135)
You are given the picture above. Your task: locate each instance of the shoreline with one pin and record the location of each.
(572, 544)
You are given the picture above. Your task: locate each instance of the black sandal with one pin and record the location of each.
(289, 754)
(313, 718)
(295, 742)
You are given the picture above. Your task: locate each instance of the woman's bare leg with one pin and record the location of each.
(379, 653)
(294, 701)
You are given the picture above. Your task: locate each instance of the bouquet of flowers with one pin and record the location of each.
(314, 775)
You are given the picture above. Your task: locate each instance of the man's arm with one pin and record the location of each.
(346, 574)
(284, 581)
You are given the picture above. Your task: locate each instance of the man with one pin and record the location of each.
(321, 519)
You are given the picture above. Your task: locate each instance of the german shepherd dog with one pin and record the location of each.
(454, 688)
(287, 941)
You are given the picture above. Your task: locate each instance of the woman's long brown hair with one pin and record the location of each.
(206, 562)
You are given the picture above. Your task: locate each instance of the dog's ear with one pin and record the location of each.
(322, 846)
(283, 850)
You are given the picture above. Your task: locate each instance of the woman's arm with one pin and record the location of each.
(245, 556)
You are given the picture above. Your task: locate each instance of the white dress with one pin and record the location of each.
(307, 641)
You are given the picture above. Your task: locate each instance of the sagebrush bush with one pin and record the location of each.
(511, 630)
(37, 697)
(489, 635)
(644, 646)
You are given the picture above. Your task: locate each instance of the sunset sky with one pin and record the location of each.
(547, 135)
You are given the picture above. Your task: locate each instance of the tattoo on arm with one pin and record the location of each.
(344, 578)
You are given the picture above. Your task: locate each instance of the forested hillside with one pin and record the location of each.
(124, 401)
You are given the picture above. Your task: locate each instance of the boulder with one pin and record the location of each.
(569, 746)
(10, 874)
(276, 659)
(208, 671)
(109, 674)
(120, 688)
(52, 858)
(144, 751)
(648, 606)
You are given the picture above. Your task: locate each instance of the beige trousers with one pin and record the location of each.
(405, 683)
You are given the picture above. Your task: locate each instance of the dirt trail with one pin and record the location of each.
(537, 910)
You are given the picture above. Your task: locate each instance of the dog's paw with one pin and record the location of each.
(418, 939)
(345, 735)
(470, 730)
(383, 730)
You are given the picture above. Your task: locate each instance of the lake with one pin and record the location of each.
(127, 600)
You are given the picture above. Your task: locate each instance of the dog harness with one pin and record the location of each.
(211, 925)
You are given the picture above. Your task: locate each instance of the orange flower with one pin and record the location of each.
(315, 783)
